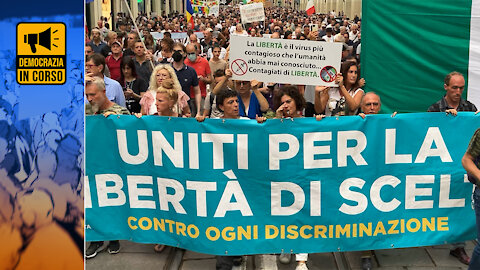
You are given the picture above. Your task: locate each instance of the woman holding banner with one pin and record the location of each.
(166, 97)
(289, 103)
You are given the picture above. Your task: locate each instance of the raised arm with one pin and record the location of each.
(261, 99)
(321, 98)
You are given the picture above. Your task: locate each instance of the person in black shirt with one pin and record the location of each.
(132, 85)
(452, 101)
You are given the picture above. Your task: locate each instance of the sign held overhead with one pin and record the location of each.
(285, 60)
(252, 13)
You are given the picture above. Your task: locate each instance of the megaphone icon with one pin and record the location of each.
(42, 39)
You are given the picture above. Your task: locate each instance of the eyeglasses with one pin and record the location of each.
(240, 83)
(90, 65)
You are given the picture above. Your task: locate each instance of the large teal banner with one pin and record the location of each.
(239, 187)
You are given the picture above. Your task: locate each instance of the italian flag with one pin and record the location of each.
(408, 46)
(310, 7)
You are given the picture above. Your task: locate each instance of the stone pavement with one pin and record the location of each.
(135, 256)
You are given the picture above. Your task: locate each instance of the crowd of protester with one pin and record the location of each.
(166, 68)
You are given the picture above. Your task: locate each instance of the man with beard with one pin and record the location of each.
(98, 103)
(96, 43)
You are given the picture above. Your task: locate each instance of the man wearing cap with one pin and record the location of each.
(322, 31)
(452, 102)
(114, 59)
(329, 34)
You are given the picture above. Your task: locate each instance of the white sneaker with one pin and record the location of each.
(301, 266)
(285, 258)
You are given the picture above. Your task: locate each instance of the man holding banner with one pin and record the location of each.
(452, 102)
(228, 103)
(370, 104)
(98, 103)
(470, 162)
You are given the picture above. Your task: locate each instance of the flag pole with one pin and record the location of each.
(138, 31)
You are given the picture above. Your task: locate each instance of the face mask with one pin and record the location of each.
(177, 56)
(192, 57)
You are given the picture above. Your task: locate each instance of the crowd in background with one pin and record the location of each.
(167, 67)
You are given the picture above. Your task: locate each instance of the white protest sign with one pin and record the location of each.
(214, 10)
(252, 13)
(285, 60)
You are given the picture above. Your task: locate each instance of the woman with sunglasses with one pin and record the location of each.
(251, 101)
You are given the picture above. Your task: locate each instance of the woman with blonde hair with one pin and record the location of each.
(165, 99)
(159, 74)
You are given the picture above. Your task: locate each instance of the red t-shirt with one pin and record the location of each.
(114, 67)
(202, 68)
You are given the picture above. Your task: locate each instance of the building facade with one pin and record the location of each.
(104, 8)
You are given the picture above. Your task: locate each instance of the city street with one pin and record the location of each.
(134, 256)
